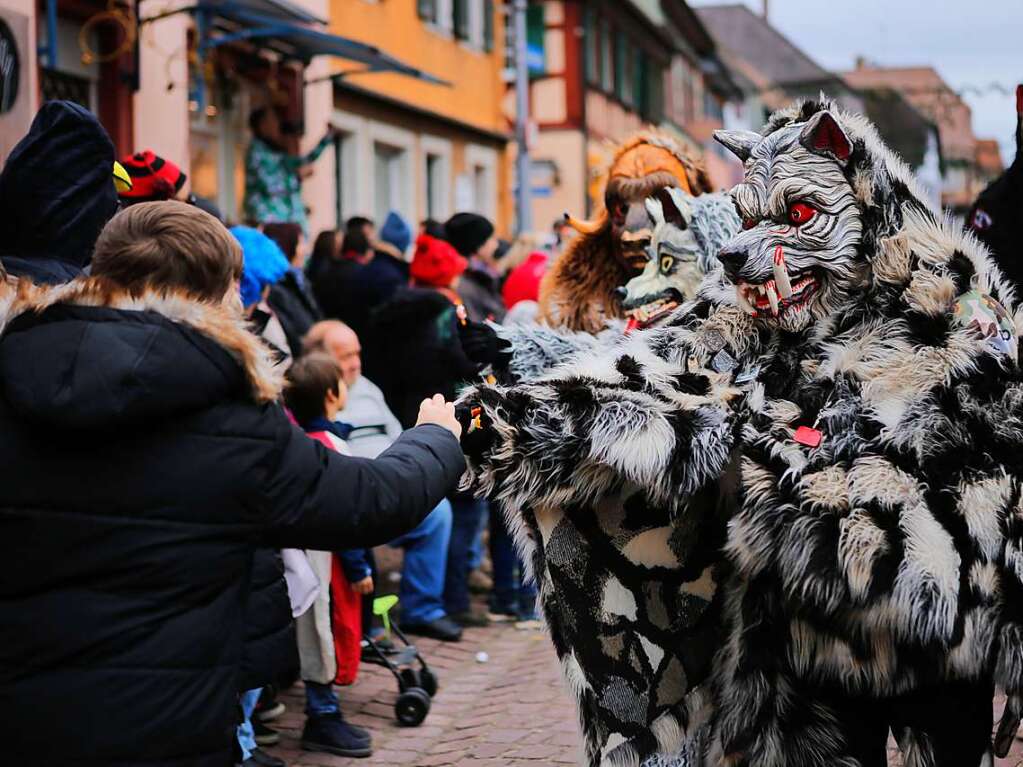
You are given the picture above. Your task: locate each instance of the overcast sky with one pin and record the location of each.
(973, 43)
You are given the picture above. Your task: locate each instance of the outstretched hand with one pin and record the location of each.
(440, 413)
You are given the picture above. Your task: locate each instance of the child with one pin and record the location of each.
(329, 635)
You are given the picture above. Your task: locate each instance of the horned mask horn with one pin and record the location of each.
(738, 142)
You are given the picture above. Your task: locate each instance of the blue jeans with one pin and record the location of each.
(246, 736)
(467, 514)
(514, 594)
(320, 699)
(422, 572)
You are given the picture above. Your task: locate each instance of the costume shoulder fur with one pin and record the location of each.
(842, 410)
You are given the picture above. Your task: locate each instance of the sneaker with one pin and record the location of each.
(471, 619)
(333, 735)
(444, 629)
(480, 582)
(529, 624)
(265, 736)
(260, 758)
(268, 708)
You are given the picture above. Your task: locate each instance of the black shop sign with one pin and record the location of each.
(10, 68)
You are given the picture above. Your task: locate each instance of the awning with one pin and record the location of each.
(277, 26)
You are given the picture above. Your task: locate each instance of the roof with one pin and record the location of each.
(767, 58)
(749, 36)
(926, 90)
(901, 126)
(989, 156)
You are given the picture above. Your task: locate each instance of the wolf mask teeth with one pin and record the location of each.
(781, 275)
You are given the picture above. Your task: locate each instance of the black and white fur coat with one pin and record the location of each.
(885, 559)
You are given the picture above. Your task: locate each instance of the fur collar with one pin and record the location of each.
(222, 323)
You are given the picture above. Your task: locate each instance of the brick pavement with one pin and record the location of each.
(512, 711)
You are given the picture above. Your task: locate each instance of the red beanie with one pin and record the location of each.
(523, 283)
(152, 177)
(436, 263)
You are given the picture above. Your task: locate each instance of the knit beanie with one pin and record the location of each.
(263, 263)
(435, 262)
(153, 178)
(467, 231)
(396, 231)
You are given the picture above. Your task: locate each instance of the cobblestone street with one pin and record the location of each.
(511, 711)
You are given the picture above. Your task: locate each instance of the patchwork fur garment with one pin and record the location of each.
(885, 558)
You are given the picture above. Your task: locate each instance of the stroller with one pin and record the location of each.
(416, 686)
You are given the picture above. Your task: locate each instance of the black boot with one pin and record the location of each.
(332, 734)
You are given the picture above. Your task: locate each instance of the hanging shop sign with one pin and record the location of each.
(10, 68)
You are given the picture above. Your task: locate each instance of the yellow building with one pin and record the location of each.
(424, 149)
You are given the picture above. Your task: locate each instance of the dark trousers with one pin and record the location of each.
(466, 517)
(950, 723)
(514, 594)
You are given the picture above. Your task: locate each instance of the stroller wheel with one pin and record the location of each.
(409, 678)
(428, 681)
(412, 707)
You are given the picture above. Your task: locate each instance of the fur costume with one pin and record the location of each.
(842, 407)
(578, 292)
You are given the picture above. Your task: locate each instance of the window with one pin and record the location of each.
(488, 25)
(607, 79)
(625, 68)
(345, 176)
(591, 46)
(427, 10)
(536, 31)
(655, 94)
(437, 185)
(388, 179)
(460, 19)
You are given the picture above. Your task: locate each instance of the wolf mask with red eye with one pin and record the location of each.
(797, 258)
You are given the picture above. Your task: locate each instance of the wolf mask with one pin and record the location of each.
(688, 233)
(797, 259)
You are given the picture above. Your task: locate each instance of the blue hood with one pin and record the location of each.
(56, 194)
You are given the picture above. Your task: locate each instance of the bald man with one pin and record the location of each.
(375, 428)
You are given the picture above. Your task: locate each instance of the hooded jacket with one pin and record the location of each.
(145, 460)
(56, 194)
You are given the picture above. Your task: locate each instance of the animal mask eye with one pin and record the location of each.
(666, 263)
(748, 223)
(800, 213)
(620, 210)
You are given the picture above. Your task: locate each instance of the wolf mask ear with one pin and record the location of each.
(655, 209)
(738, 142)
(675, 202)
(823, 135)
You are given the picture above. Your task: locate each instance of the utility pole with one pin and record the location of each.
(523, 207)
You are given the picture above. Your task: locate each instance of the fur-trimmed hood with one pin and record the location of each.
(89, 355)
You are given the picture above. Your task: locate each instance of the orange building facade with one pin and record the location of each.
(423, 149)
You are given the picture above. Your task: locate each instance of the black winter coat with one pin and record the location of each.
(412, 351)
(270, 651)
(296, 309)
(56, 194)
(143, 463)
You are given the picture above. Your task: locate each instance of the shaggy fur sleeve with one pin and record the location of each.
(628, 417)
(537, 349)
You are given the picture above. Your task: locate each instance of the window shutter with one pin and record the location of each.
(488, 25)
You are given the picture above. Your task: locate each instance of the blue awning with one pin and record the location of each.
(279, 26)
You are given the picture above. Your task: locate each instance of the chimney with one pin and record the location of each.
(861, 62)
(764, 12)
